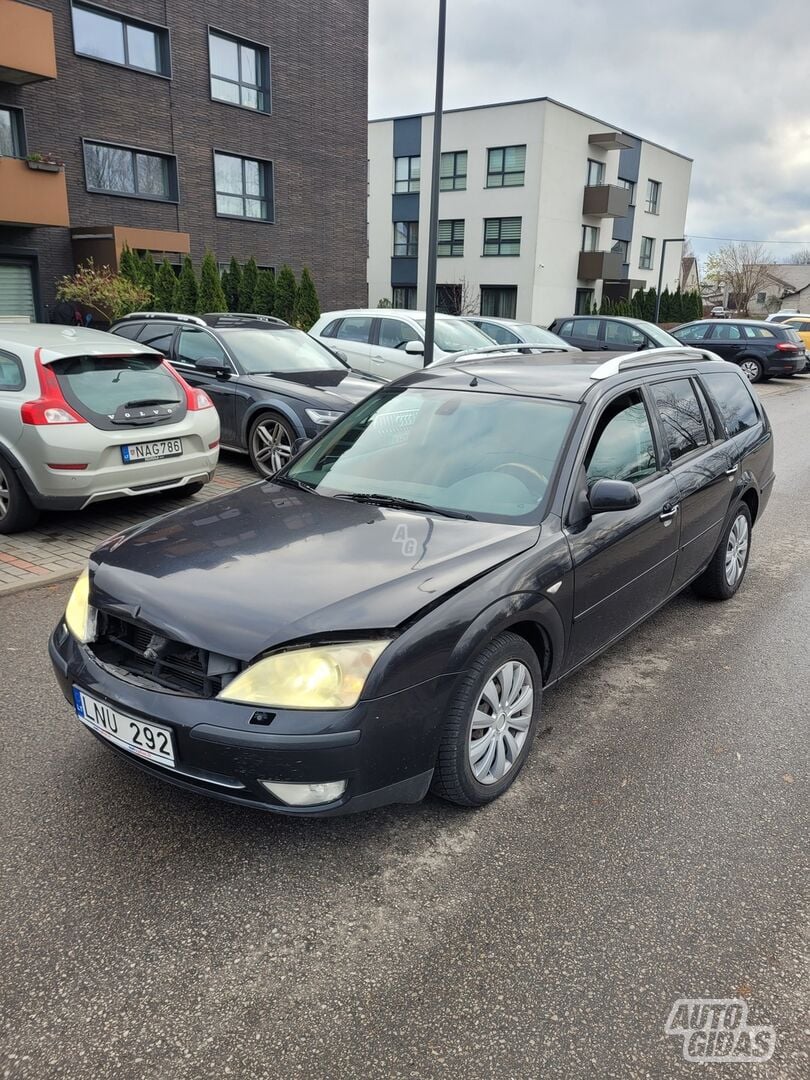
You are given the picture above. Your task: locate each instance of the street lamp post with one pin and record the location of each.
(669, 240)
(433, 229)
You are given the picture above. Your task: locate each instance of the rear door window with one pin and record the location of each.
(101, 388)
(355, 328)
(158, 335)
(622, 334)
(498, 333)
(734, 401)
(726, 332)
(587, 328)
(681, 416)
(394, 334)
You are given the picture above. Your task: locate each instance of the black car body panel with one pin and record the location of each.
(779, 349)
(274, 566)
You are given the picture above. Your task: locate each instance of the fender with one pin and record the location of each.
(12, 459)
(276, 406)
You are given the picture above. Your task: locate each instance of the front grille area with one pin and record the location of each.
(170, 665)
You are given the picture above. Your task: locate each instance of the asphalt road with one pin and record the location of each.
(652, 849)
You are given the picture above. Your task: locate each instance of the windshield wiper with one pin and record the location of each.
(396, 503)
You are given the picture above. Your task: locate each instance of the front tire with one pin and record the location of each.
(752, 369)
(270, 444)
(491, 724)
(723, 576)
(16, 510)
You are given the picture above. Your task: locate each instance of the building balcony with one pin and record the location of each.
(595, 265)
(27, 52)
(606, 200)
(104, 244)
(30, 197)
(610, 140)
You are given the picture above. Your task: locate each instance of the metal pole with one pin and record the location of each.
(433, 230)
(669, 240)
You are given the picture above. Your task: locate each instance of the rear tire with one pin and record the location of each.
(752, 369)
(491, 723)
(17, 512)
(723, 576)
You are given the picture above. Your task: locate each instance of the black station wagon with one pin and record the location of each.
(382, 617)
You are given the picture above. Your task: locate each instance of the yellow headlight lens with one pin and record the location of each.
(325, 677)
(79, 616)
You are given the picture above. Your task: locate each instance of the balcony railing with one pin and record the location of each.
(27, 52)
(30, 197)
(595, 265)
(606, 200)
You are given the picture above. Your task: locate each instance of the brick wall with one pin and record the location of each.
(316, 136)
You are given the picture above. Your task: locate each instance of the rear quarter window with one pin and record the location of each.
(733, 400)
(129, 330)
(11, 373)
(758, 332)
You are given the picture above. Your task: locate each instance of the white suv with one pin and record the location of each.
(390, 342)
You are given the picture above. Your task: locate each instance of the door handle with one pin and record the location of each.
(378, 359)
(732, 470)
(667, 515)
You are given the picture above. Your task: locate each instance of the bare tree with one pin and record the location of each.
(800, 257)
(743, 268)
(460, 298)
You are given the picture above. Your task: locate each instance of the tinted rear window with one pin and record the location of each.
(158, 336)
(682, 416)
(733, 400)
(101, 384)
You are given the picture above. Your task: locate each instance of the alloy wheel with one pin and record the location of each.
(737, 550)
(751, 370)
(500, 722)
(272, 446)
(5, 495)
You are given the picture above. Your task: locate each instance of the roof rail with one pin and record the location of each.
(666, 355)
(509, 350)
(162, 315)
(217, 318)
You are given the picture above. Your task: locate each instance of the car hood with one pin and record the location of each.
(272, 564)
(323, 389)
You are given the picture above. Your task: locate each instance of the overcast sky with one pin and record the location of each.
(727, 84)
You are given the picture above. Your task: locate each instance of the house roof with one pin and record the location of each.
(794, 276)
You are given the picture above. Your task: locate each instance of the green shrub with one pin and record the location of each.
(231, 284)
(307, 307)
(247, 288)
(265, 295)
(187, 289)
(165, 287)
(286, 293)
(211, 297)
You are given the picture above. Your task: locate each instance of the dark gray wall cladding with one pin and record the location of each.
(405, 207)
(408, 137)
(403, 271)
(628, 170)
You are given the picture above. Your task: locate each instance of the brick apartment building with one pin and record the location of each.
(182, 125)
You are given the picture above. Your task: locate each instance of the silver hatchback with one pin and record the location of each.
(86, 416)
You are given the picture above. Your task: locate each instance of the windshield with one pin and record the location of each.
(536, 335)
(279, 352)
(453, 335)
(487, 455)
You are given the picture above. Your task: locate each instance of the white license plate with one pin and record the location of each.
(151, 451)
(147, 740)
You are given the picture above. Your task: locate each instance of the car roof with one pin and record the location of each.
(568, 376)
(214, 320)
(611, 318)
(61, 341)
(399, 313)
(725, 322)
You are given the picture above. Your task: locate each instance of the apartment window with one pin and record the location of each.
(499, 301)
(406, 238)
(453, 173)
(506, 166)
(103, 35)
(406, 174)
(590, 238)
(126, 170)
(244, 187)
(451, 238)
(583, 303)
(502, 236)
(653, 196)
(620, 248)
(647, 248)
(12, 133)
(596, 173)
(629, 185)
(240, 71)
(404, 296)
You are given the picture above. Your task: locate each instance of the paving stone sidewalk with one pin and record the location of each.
(60, 543)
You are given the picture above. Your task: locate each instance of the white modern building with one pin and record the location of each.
(542, 210)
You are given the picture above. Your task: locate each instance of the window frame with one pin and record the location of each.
(621, 247)
(455, 154)
(503, 171)
(410, 189)
(18, 129)
(600, 169)
(500, 241)
(269, 198)
(453, 242)
(577, 295)
(590, 230)
(265, 58)
(642, 265)
(653, 200)
(399, 307)
(173, 199)
(512, 289)
(628, 185)
(409, 243)
(163, 34)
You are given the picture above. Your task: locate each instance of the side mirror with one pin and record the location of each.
(607, 495)
(209, 365)
(415, 348)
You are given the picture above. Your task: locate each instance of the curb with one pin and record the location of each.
(38, 582)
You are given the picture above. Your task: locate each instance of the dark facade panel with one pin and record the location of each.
(605, 200)
(316, 138)
(408, 137)
(403, 271)
(405, 207)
